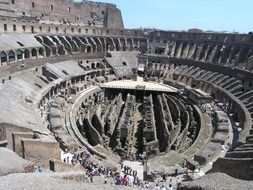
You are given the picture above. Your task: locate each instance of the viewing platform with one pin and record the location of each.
(139, 84)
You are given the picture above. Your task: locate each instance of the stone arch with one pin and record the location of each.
(102, 40)
(109, 44)
(57, 87)
(98, 73)
(117, 45)
(123, 43)
(92, 43)
(19, 54)
(93, 66)
(88, 49)
(27, 54)
(4, 57)
(98, 44)
(11, 56)
(61, 50)
(189, 81)
(34, 52)
(136, 44)
(130, 44)
(41, 52)
(97, 65)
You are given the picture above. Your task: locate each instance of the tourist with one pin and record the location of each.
(39, 169)
(157, 187)
(169, 187)
(91, 177)
(117, 180)
(164, 177)
(124, 180)
(130, 180)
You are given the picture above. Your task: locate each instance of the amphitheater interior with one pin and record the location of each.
(85, 83)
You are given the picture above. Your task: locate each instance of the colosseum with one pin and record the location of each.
(82, 99)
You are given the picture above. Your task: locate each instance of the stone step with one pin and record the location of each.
(240, 154)
(236, 90)
(245, 145)
(238, 94)
(246, 95)
(250, 104)
(249, 137)
(249, 141)
(243, 149)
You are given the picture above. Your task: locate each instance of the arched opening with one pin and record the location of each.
(88, 49)
(27, 54)
(11, 56)
(19, 54)
(34, 52)
(41, 52)
(98, 64)
(61, 50)
(3, 57)
(93, 65)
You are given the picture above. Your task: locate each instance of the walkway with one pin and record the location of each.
(135, 166)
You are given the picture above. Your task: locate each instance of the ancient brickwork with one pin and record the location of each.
(86, 13)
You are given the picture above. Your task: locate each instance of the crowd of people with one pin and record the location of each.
(126, 177)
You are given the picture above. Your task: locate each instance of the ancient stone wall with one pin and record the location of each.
(158, 36)
(245, 76)
(17, 137)
(59, 166)
(231, 50)
(40, 151)
(85, 13)
(9, 130)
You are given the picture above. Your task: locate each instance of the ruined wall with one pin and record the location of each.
(242, 75)
(17, 138)
(114, 18)
(40, 151)
(231, 50)
(65, 12)
(59, 166)
(9, 130)
(158, 36)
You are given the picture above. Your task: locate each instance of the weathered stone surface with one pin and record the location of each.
(49, 181)
(11, 162)
(218, 181)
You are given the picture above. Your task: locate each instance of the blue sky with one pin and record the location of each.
(217, 15)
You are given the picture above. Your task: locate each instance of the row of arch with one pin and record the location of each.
(62, 45)
(20, 54)
(67, 45)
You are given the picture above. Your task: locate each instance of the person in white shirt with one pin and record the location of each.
(169, 187)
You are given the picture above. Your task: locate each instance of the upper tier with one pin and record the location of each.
(85, 13)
